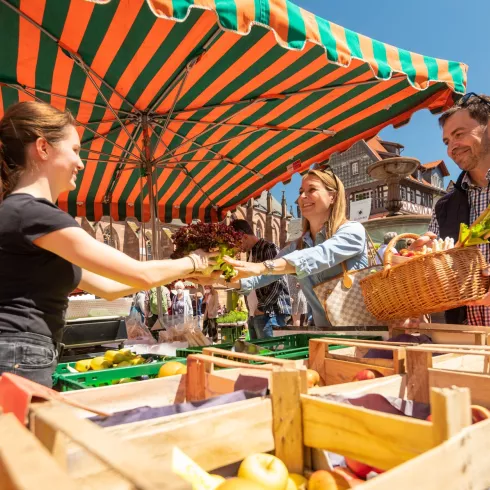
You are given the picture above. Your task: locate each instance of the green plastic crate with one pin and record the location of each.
(281, 346)
(230, 334)
(67, 381)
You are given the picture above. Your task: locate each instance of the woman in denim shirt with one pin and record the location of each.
(328, 240)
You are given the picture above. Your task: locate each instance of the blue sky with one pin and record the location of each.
(448, 29)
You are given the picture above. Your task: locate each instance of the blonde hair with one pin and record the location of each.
(338, 209)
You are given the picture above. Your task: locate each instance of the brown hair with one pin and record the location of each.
(477, 108)
(22, 124)
(337, 214)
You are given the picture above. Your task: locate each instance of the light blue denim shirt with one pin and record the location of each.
(318, 261)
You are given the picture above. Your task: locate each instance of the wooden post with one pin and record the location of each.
(195, 380)
(417, 365)
(25, 464)
(53, 440)
(317, 356)
(450, 411)
(287, 418)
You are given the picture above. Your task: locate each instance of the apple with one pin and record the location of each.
(367, 374)
(478, 414)
(346, 478)
(313, 377)
(360, 469)
(240, 484)
(218, 479)
(323, 480)
(429, 418)
(297, 482)
(266, 470)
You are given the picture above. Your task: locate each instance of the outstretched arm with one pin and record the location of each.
(79, 248)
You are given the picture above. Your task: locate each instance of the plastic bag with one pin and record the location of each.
(137, 330)
(180, 328)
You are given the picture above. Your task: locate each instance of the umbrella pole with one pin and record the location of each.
(153, 209)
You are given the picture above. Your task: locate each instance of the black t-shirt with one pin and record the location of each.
(34, 283)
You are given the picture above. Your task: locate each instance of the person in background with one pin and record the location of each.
(241, 305)
(380, 256)
(139, 305)
(44, 253)
(198, 310)
(181, 303)
(328, 240)
(466, 133)
(298, 301)
(269, 306)
(153, 304)
(210, 324)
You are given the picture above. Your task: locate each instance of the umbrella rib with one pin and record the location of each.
(188, 174)
(188, 140)
(228, 160)
(117, 171)
(73, 99)
(109, 106)
(185, 74)
(268, 127)
(276, 97)
(188, 67)
(64, 48)
(202, 147)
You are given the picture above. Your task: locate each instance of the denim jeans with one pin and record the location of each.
(263, 325)
(29, 355)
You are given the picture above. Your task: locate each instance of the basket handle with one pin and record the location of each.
(389, 254)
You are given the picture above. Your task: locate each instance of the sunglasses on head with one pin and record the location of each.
(466, 99)
(325, 167)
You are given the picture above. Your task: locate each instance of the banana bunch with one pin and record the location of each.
(110, 359)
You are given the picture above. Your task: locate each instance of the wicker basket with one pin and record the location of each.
(426, 283)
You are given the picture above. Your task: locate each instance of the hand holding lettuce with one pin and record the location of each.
(211, 237)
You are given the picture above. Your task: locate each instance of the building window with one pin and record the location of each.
(355, 168)
(403, 193)
(437, 181)
(359, 196)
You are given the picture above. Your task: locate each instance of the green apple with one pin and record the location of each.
(266, 470)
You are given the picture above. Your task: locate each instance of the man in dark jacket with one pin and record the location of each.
(466, 134)
(270, 306)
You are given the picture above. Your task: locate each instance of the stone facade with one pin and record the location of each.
(269, 219)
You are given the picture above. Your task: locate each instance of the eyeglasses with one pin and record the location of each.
(466, 99)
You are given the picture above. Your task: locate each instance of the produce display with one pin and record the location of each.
(233, 316)
(438, 245)
(477, 234)
(110, 359)
(264, 471)
(211, 237)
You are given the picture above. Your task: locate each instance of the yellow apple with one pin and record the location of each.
(240, 484)
(266, 470)
(299, 482)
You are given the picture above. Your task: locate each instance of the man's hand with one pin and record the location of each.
(426, 239)
(485, 301)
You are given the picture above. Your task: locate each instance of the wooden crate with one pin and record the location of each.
(297, 427)
(173, 390)
(341, 365)
(449, 334)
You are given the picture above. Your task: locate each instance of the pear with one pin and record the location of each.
(98, 363)
(83, 366)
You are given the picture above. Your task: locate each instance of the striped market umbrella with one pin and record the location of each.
(191, 107)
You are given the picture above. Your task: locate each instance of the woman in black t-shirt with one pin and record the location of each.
(44, 254)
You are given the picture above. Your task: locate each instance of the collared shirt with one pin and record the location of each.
(478, 199)
(271, 298)
(319, 261)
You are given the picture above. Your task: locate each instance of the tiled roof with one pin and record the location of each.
(435, 164)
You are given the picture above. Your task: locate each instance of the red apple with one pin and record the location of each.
(367, 374)
(429, 418)
(360, 469)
